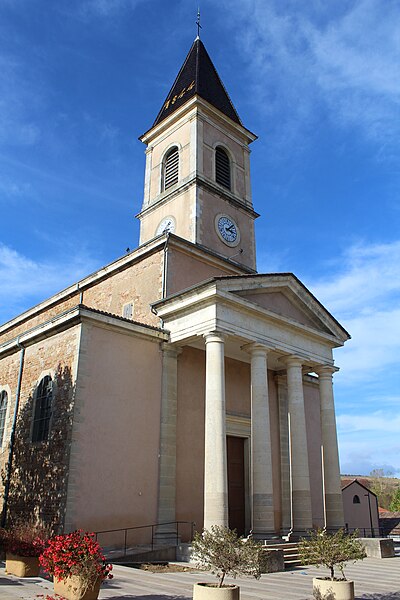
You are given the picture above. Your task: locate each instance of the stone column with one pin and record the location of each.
(300, 476)
(167, 461)
(263, 523)
(215, 460)
(333, 494)
(281, 384)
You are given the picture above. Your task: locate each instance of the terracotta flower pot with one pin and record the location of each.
(211, 591)
(22, 566)
(71, 588)
(326, 589)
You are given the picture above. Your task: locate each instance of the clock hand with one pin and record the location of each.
(230, 228)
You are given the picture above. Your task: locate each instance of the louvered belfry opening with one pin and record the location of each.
(222, 168)
(171, 168)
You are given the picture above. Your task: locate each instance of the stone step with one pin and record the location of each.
(290, 552)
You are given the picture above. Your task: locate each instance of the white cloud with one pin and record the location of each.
(26, 282)
(362, 289)
(369, 441)
(106, 8)
(18, 96)
(366, 278)
(376, 422)
(325, 60)
(13, 189)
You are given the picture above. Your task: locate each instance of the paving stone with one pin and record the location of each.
(375, 579)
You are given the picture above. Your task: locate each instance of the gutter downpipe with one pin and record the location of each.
(12, 438)
(165, 267)
(290, 533)
(164, 273)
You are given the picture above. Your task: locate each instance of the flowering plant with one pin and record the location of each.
(76, 553)
(25, 538)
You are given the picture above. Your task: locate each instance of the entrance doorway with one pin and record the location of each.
(236, 483)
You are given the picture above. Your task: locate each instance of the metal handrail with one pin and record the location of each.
(366, 532)
(153, 527)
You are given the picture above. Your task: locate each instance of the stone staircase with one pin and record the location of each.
(290, 552)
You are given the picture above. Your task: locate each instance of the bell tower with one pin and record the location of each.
(197, 179)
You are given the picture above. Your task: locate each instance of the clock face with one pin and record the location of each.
(227, 230)
(167, 224)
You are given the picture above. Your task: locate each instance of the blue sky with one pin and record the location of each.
(319, 82)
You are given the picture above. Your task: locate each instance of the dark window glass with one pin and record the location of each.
(41, 419)
(3, 412)
(356, 500)
(171, 168)
(222, 168)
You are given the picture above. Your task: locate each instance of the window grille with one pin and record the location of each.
(171, 168)
(3, 413)
(222, 168)
(356, 500)
(41, 420)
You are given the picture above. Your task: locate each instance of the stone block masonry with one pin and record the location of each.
(39, 477)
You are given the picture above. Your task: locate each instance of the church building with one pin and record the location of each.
(177, 383)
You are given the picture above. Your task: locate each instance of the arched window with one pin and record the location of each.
(356, 499)
(171, 168)
(41, 418)
(3, 413)
(222, 168)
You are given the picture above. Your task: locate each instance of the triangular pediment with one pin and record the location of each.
(284, 304)
(285, 296)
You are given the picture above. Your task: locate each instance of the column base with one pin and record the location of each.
(296, 534)
(265, 535)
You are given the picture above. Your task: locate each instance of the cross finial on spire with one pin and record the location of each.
(198, 22)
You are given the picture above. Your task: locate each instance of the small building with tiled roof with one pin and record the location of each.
(360, 507)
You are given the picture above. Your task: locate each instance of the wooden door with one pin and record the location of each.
(236, 483)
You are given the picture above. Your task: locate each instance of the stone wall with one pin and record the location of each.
(40, 470)
(137, 282)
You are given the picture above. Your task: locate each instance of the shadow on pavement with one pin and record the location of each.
(150, 597)
(8, 581)
(387, 596)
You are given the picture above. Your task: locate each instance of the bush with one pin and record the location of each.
(331, 551)
(25, 538)
(222, 552)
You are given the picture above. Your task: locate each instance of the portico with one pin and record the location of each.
(275, 325)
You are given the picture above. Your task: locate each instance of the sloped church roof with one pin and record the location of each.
(198, 76)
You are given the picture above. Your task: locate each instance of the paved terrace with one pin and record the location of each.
(374, 580)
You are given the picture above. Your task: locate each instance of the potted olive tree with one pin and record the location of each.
(222, 552)
(332, 551)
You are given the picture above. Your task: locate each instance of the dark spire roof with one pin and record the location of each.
(198, 76)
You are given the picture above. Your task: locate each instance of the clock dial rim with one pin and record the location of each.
(231, 243)
(161, 226)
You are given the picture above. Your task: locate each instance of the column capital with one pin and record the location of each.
(254, 348)
(325, 371)
(292, 361)
(214, 336)
(170, 349)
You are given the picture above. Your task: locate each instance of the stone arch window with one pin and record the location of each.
(42, 411)
(3, 414)
(356, 499)
(170, 172)
(222, 167)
